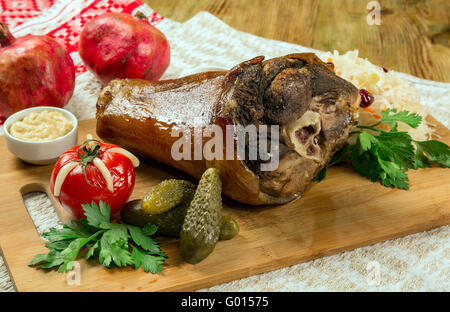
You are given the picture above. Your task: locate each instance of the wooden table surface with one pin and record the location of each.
(412, 38)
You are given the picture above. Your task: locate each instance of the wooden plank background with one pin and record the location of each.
(412, 38)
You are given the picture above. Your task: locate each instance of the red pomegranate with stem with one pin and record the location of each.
(34, 71)
(118, 45)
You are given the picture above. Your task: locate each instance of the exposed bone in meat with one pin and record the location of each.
(313, 108)
(302, 135)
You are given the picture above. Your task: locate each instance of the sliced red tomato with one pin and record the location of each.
(93, 171)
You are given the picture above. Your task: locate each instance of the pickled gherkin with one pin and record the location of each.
(201, 228)
(166, 195)
(229, 228)
(170, 222)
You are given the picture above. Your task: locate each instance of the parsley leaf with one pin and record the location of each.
(322, 174)
(58, 245)
(390, 116)
(364, 163)
(67, 232)
(150, 263)
(98, 217)
(431, 151)
(387, 156)
(149, 229)
(393, 175)
(142, 240)
(52, 259)
(71, 252)
(111, 243)
(395, 147)
(366, 140)
(116, 234)
(114, 253)
(93, 251)
(114, 246)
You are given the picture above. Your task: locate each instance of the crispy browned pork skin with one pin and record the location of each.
(313, 108)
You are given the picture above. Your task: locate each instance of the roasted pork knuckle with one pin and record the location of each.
(311, 107)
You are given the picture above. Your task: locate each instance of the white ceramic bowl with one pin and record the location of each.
(40, 153)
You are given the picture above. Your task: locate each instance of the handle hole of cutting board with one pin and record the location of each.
(9, 286)
(43, 208)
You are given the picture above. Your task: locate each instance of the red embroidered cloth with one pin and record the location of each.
(64, 19)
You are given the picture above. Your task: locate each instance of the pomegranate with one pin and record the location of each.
(34, 71)
(118, 45)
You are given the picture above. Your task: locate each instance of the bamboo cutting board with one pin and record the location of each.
(343, 212)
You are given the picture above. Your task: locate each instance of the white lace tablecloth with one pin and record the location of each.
(419, 262)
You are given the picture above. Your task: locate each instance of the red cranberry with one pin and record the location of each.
(366, 98)
(385, 69)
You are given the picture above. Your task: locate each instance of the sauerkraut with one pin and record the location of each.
(389, 91)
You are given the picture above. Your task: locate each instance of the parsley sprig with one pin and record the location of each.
(386, 156)
(114, 244)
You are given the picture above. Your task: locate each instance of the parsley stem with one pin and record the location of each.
(370, 128)
(375, 125)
